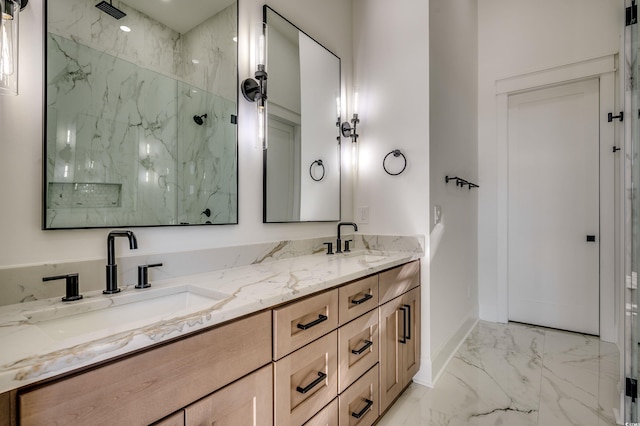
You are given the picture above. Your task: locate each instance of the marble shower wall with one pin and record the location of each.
(122, 145)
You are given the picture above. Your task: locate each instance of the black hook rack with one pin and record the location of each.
(461, 182)
(320, 164)
(396, 153)
(620, 116)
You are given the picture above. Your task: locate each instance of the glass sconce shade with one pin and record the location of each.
(9, 47)
(255, 90)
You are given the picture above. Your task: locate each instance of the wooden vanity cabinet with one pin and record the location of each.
(357, 298)
(399, 345)
(8, 409)
(328, 416)
(306, 381)
(146, 387)
(358, 348)
(176, 419)
(358, 405)
(246, 402)
(397, 281)
(340, 357)
(302, 322)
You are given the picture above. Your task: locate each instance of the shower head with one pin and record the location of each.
(110, 9)
(199, 119)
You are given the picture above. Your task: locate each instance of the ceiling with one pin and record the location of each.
(179, 15)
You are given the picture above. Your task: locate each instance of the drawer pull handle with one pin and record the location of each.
(403, 339)
(364, 299)
(313, 323)
(320, 379)
(367, 345)
(364, 410)
(408, 326)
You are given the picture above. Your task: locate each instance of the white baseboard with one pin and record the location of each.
(443, 356)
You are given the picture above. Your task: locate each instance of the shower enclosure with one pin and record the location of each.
(631, 213)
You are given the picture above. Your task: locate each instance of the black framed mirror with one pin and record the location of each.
(140, 114)
(302, 161)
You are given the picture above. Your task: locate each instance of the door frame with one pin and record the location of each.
(604, 69)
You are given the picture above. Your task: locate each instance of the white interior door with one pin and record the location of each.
(553, 205)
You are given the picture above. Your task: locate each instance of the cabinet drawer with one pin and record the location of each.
(149, 386)
(249, 401)
(328, 416)
(397, 281)
(358, 405)
(306, 381)
(302, 322)
(357, 298)
(176, 419)
(358, 348)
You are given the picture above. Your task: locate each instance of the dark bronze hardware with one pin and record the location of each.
(73, 286)
(321, 377)
(408, 323)
(367, 345)
(143, 275)
(364, 410)
(364, 299)
(403, 339)
(313, 323)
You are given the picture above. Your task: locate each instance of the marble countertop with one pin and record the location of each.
(34, 349)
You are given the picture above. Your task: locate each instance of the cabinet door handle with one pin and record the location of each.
(408, 323)
(364, 410)
(367, 345)
(313, 323)
(403, 339)
(321, 377)
(364, 299)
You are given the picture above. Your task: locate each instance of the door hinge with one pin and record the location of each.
(610, 116)
(631, 388)
(632, 14)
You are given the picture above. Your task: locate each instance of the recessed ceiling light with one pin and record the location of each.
(125, 28)
(195, 61)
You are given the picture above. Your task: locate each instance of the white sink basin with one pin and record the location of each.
(122, 311)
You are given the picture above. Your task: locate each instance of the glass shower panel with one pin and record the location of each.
(632, 213)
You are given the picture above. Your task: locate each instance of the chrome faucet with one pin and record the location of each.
(112, 268)
(339, 245)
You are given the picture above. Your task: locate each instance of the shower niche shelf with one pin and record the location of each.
(84, 195)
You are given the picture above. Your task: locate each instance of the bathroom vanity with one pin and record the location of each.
(336, 346)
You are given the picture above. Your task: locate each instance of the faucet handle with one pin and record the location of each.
(73, 286)
(143, 275)
(346, 246)
(329, 248)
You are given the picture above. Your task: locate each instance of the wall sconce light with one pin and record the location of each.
(256, 90)
(347, 130)
(351, 132)
(10, 10)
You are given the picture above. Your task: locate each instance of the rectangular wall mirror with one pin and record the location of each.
(140, 116)
(302, 161)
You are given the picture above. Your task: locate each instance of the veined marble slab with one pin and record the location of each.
(31, 354)
(24, 283)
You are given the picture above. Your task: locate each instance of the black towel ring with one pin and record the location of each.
(396, 153)
(319, 163)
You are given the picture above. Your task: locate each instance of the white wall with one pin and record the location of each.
(515, 38)
(328, 21)
(453, 144)
(391, 69)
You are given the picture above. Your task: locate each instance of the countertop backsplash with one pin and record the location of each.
(24, 284)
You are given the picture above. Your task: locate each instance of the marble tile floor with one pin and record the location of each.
(517, 375)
